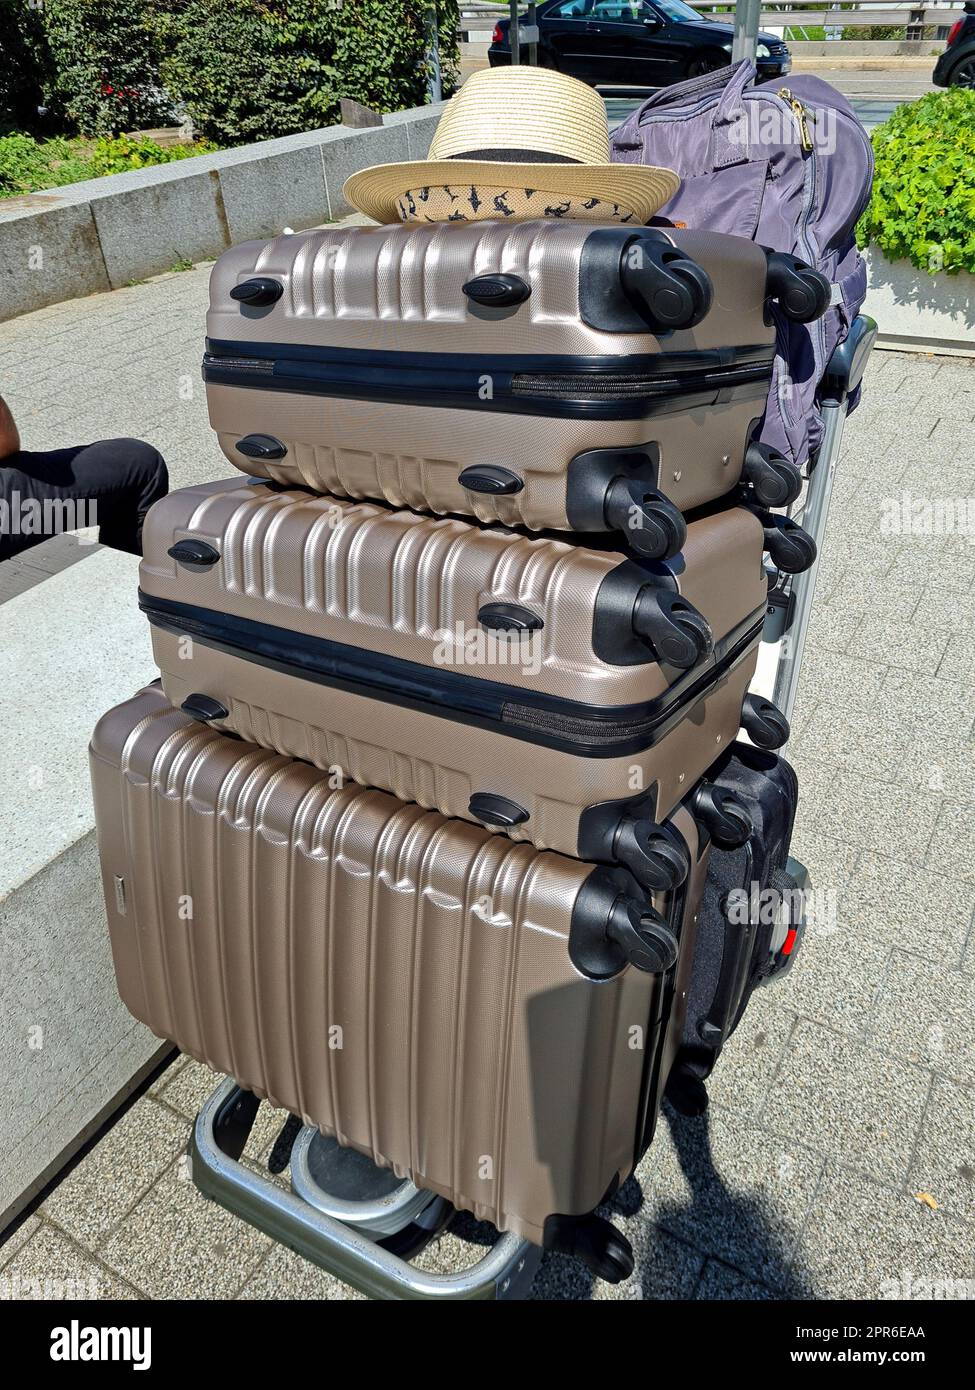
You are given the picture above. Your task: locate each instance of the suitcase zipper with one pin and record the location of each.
(575, 727)
(553, 386)
(625, 385)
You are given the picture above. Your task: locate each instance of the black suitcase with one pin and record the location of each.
(752, 914)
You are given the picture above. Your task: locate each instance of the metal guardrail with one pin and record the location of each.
(867, 13)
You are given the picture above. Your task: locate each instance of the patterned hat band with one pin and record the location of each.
(482, 202)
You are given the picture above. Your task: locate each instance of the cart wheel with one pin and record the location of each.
(603, 1249)
(764, 723)
(725, 818)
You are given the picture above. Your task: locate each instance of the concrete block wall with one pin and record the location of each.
(106, 233)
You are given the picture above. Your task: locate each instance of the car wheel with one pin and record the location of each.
(964, 73)
(708, 61)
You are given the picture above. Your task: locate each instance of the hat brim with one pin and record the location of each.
(639, 189)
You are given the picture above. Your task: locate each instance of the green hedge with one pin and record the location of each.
(242, 69)
(250, 71)
(923, 204)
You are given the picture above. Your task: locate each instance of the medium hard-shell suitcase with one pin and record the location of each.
(565, 694)
(546, 374)
(752, 914)
(460, 1008)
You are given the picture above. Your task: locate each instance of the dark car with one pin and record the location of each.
(956, 66)
(635, 43)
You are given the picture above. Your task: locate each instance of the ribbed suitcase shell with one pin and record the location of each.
(398, 291)
(400, 980)
(394, 583)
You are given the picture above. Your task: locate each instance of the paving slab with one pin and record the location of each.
(105, 1185)
(734, 1191)
(50, 1266)
(944, 1162)
(865, 1241)
(923, 1012)
(861, 1105)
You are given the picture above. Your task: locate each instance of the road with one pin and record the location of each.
(874, 94)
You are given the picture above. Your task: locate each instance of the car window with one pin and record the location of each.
(677, 12)
(622, 11)
(574, 9)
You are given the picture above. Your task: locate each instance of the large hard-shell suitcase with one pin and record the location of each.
(461, 1008)
(752, 914)
(529, 374)
(379, 642)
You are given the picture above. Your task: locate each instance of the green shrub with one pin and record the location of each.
(28, 165)
(250, 70)
(923, 204)
(106, 66)
(24, 65)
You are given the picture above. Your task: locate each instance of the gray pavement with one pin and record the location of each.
(837, 1159)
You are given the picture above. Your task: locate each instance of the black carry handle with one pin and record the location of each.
(260, 291)
(261, 446)
(193, 552)
(800, 291)
(675, 631)
(497, 290)
(668, 288)
(203, 708)
(649, 522)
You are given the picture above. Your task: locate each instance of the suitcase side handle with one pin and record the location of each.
(497, 290)
(258, 292)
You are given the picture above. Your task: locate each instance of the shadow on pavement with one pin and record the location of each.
(739, 1229)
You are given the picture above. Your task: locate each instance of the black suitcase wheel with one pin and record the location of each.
(650, 524)
(800, 292)
(725, 818)
(655, 860)
(790, 548)
(667, 287)
(603, 1249)
(643, 936)
(776, 480)
(764, 723)
(677, 634)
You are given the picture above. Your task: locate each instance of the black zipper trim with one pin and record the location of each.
(553, 386)
(594, 731)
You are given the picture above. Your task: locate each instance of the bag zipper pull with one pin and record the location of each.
(799, 112)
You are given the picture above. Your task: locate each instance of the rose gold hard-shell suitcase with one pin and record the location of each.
(567, 695)
(545, 374)
(485, 1018)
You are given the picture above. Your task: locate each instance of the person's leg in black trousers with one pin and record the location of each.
(117, 480)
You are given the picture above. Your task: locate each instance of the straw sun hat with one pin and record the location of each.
(515, 142)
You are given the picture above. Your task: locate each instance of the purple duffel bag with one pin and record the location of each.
(791, 168)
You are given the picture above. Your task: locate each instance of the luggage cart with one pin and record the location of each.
(359, 1222)
(791, 598)
(355, 1220)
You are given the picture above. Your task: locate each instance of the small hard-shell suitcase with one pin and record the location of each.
(752, 914)
(548, 374)
(482, 1017)
(568, 695)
